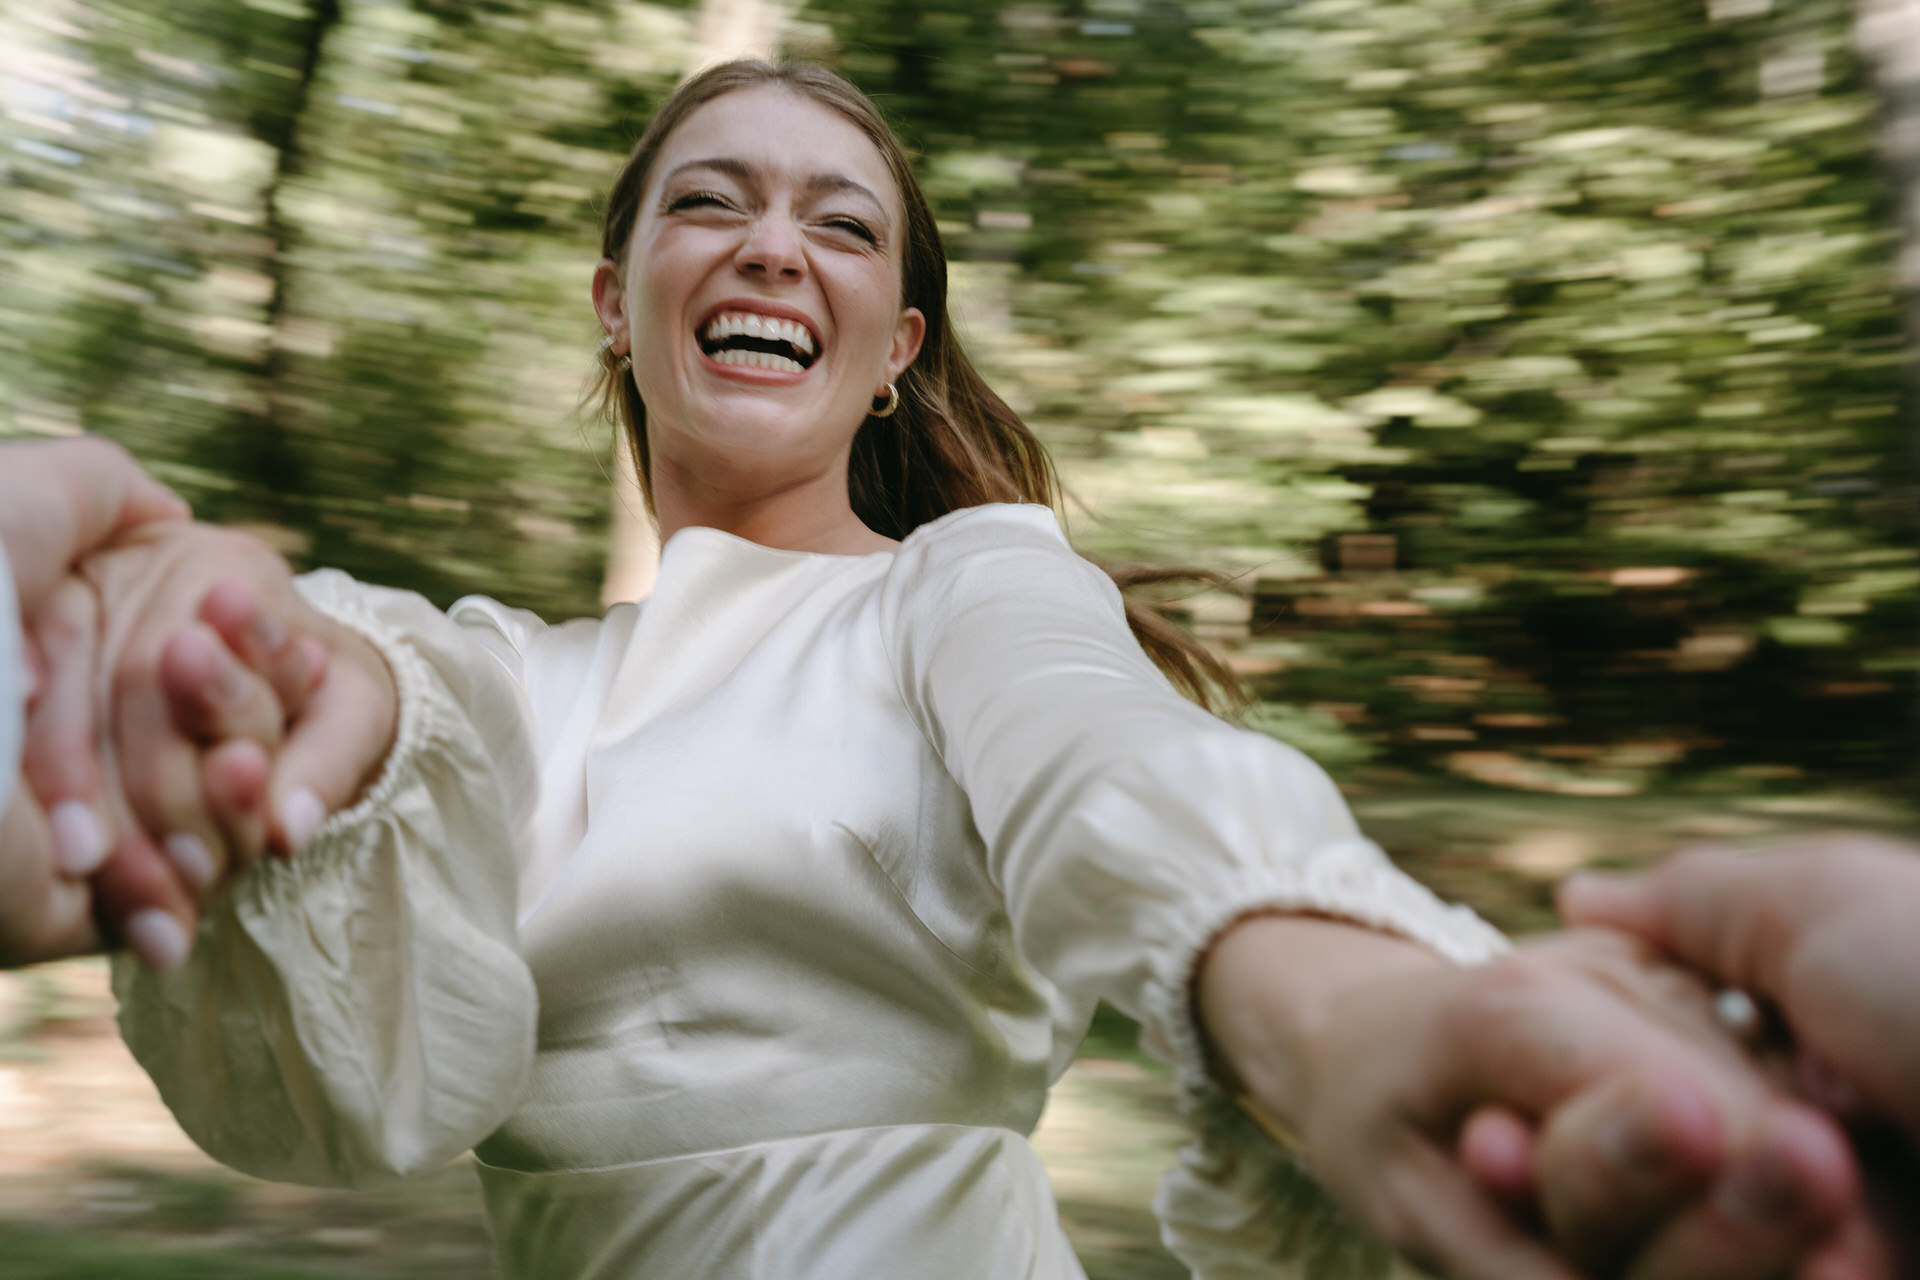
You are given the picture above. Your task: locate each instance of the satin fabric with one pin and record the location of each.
(816, 866)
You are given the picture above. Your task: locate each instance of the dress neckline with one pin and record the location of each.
(705, 531)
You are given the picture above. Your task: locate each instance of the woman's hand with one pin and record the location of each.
(1376, 1054)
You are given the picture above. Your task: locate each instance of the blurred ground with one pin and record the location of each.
(97, 1182)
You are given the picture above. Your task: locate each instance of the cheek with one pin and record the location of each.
(652, 316)
(878, 309)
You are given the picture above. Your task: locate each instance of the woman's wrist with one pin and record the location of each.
(352, 650)
(1270, 993)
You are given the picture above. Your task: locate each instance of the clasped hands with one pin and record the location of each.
(1569, 1110)
(188, 713)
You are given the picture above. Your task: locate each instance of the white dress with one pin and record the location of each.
(744, 930)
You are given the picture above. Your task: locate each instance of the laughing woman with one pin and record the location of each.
(741, 932)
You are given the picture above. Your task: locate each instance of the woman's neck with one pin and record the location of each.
(812, 515)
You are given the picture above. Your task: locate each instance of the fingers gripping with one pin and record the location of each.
(62, 761)
(1786, 1196)
(1643, 1127)
(292, 664)
(212, 696)
(140, 901)
(1711, 907)
(1463, 1234)
(232, 682)
(296, 667)
(1616, 1159)
(1497, 1151)
(136, 895)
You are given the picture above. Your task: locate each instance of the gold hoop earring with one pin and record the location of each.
(622, 363)
(893, 402)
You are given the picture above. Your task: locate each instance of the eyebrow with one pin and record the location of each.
(817, 184)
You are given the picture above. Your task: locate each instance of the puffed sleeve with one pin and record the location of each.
(360, 1012)
(13, 684)
(1127, 827)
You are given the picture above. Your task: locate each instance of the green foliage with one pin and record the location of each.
(1584, 308)
(1536, 362)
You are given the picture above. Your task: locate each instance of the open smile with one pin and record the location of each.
(757, 338)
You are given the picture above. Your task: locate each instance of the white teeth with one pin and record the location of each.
(758, 360)
(747, 324)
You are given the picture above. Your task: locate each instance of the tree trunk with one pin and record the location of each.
(262, 450)
(1887, 34)
(725, 29)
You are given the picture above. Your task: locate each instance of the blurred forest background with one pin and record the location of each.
(1535, 365)
(1536, 369)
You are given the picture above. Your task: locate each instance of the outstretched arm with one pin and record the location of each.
(290, 1042)
(359, 1010)
(1213, 882)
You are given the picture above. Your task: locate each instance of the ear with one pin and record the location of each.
(908, 332)
(610, 304)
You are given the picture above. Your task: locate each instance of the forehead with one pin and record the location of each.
(779, 133)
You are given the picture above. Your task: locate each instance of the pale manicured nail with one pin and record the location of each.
(79, 840)
(229, 682)
(192, 859)
(300, 817)
(268, 634)
(158, 939)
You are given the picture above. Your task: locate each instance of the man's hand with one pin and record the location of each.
(1381, 1071)
(1822, 931)
(1826, 929)
(59, 501)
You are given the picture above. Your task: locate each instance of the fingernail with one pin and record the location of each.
(79, 840)
(268, 634)
(1761, 1190)
(300, 817)
(192, 859)
(229, 686)
(158, 939)
(1632, 1146)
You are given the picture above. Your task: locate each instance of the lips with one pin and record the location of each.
(756, 335)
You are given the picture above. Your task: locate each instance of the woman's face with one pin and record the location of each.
(760, 295)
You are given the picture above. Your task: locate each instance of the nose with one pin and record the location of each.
(772, 248)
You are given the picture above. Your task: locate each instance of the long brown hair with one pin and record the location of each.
(953, 442)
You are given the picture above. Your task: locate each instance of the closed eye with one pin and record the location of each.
(699, 199)
(853, 226)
